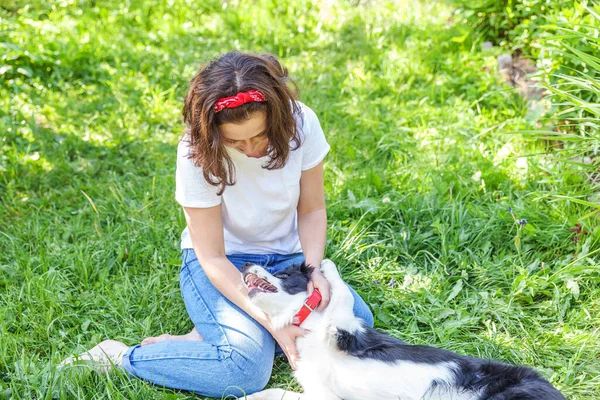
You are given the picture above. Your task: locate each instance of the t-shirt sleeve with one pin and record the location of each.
(191, 189)
(314, 142)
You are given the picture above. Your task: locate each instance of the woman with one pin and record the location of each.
(250, 180)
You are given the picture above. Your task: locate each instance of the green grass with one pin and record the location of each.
(420, 179)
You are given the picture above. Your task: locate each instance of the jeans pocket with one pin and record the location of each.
(188, 257)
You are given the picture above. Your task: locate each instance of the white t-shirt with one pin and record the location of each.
(259, 211)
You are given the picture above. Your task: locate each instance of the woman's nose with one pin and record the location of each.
(246, 147)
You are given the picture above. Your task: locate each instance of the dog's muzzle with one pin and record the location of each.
(254, 282)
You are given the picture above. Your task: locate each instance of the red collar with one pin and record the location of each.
(309, 306)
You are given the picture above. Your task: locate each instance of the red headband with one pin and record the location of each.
(241, 98)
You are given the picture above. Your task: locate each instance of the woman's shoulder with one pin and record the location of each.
(314, 144)
(307, 120)
(305, 112)
(185, 161)
(184, 146)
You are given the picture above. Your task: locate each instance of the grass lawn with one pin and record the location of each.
(424, 183)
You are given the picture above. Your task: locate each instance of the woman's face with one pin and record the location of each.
(248, 137)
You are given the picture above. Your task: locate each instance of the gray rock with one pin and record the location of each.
(505, 61)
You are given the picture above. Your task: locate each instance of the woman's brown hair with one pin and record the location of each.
(228, 75)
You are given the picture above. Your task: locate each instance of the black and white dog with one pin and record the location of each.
(341, 358)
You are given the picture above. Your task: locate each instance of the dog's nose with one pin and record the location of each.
(246, 266)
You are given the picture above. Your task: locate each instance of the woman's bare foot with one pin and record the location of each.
(101, 357)
(193, 335)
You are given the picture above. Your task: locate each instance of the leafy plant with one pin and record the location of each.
(511, 23)
(570, 52)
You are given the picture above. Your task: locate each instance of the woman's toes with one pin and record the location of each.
(194, 335)
(156, 339)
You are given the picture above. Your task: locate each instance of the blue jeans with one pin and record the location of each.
(236, 355)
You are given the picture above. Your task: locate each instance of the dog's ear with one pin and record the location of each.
(306, 270)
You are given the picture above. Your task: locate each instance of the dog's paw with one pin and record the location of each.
(329, 270)
(273, 394)
(256, 396)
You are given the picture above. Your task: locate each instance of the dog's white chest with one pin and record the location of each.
(315, 364)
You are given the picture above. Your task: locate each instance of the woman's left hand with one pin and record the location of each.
(318, 281)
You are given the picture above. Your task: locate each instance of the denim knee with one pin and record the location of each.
(361, 309)
(253, 372)
(363, 312)
(240, 377)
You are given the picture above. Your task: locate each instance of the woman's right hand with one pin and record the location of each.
(286, 337)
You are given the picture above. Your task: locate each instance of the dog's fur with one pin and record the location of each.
(342, 358)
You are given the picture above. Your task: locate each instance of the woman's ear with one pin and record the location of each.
(306, 270)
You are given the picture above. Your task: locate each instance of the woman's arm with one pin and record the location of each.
(312, 227)
(206, 231)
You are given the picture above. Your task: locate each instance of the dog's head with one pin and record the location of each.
(279, 294)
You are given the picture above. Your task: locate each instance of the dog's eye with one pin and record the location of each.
(282, 276)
